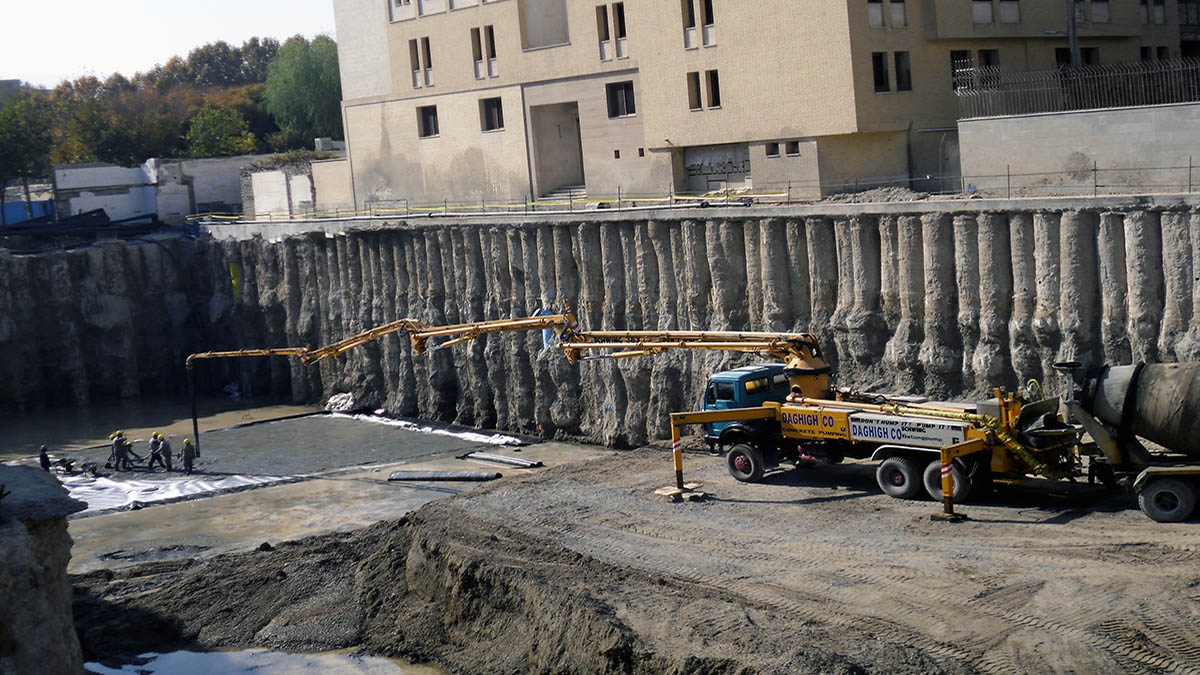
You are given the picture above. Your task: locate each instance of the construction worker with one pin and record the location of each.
(44, 459)
(189, 455)
(155, 452)
(120, 452)
(165, 446)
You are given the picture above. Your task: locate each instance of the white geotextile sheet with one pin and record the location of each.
(470, 436)
(252, 662)
(102, 494)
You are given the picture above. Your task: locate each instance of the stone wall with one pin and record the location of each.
(948, 300)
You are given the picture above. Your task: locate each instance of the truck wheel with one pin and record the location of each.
(1167, 500)
(745, 463)
(899, 477)
(933, 481)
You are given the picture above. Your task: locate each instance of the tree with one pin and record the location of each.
(304, 90)
(219, 132)
(26, 134)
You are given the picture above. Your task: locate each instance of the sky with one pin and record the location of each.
(47, 41)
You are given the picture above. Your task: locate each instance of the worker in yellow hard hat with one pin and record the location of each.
(155, 452)
(165, 446)
(189, 455)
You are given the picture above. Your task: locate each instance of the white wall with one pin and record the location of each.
(1067, 146)
(362, 38)
(121, 192)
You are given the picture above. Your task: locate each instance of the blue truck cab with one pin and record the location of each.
(744, 387)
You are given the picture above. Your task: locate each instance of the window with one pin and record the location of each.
(772, 149)
(990, 58)
(641, 152)
(879, 62)
(981, 11)
(616, 154)
(426, 53)
(477, 52)
(1164, 53)
(1147, 53)
(427, 121)
(693, 82)
(489, 44)
(903, 72)
(414, 58)
(1010, 11)
(1160, 11)
(620, 99)
(709, 31)
(960, 65)
(725, 391)
(619, 19)
(1100, 11)
(899, 14)
(491, 112)
(602, 23)
(793, 148)
(1144, 8)
(1089, 56)
(689, 13)
(875, 13)
(1080, 11)
(714, 89)
(1062, 56)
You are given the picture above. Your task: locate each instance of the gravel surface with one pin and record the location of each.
(581, 569)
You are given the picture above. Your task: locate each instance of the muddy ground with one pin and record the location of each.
(581, 569)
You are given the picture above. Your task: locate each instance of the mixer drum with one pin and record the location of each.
(1159, 402)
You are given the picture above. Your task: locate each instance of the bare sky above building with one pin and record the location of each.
(47, 42)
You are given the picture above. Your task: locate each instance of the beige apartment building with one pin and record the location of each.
(469, 100)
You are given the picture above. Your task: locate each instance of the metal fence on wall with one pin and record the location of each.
(993, 91)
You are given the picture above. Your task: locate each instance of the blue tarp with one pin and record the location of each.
(14, 212)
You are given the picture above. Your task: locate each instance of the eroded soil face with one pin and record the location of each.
(581, 569)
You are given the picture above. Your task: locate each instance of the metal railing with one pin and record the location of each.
(993, 91)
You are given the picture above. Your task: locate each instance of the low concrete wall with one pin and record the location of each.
(1125, 144)
(332, 185)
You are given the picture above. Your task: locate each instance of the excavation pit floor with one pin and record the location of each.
(581, 568)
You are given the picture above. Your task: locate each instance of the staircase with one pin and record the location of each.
(567, 193)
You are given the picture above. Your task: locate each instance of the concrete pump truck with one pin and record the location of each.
(788, 411)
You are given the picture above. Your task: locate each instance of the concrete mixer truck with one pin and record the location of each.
(1144, 424)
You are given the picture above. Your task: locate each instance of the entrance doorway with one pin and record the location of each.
(557, 147)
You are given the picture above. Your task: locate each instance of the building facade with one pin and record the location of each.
(468, 100)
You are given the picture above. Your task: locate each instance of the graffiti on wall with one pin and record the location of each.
(717, 166)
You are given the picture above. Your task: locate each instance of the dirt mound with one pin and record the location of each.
(876, 195)
(447, 588)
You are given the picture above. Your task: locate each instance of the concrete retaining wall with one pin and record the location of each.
(1147, 147)
(942, 299)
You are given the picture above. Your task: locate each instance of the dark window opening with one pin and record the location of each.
(689, 13)
(427, 120)
(793, 148)
(879, 63)
(960, 60)
(694, 101)
(772, 149)
(602, 23)
(492, 111)
(641, 152)
(616, 154)
(707, 12)
(714, 89)
(903, 72)
(619, 19)
(725, 391)
(490, 34)
(620, 99)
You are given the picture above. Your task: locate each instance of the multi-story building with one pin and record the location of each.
(498, 99)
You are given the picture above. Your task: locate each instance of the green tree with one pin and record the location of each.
(304, 90)
(26, 135)
(219, 132)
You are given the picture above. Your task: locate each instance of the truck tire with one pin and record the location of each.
(1167, 500)
(745, 463)
(899, 477)
(962, 481)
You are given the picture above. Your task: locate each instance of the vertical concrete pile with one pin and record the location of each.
(37, 630)
(934, 302)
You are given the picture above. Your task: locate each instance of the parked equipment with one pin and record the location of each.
(761, 416)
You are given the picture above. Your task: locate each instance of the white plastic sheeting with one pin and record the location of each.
(471, 436)
(253, 662)
(102, 494)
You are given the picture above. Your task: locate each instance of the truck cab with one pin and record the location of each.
(744, 387)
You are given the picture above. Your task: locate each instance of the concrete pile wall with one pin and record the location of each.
(947, 301)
